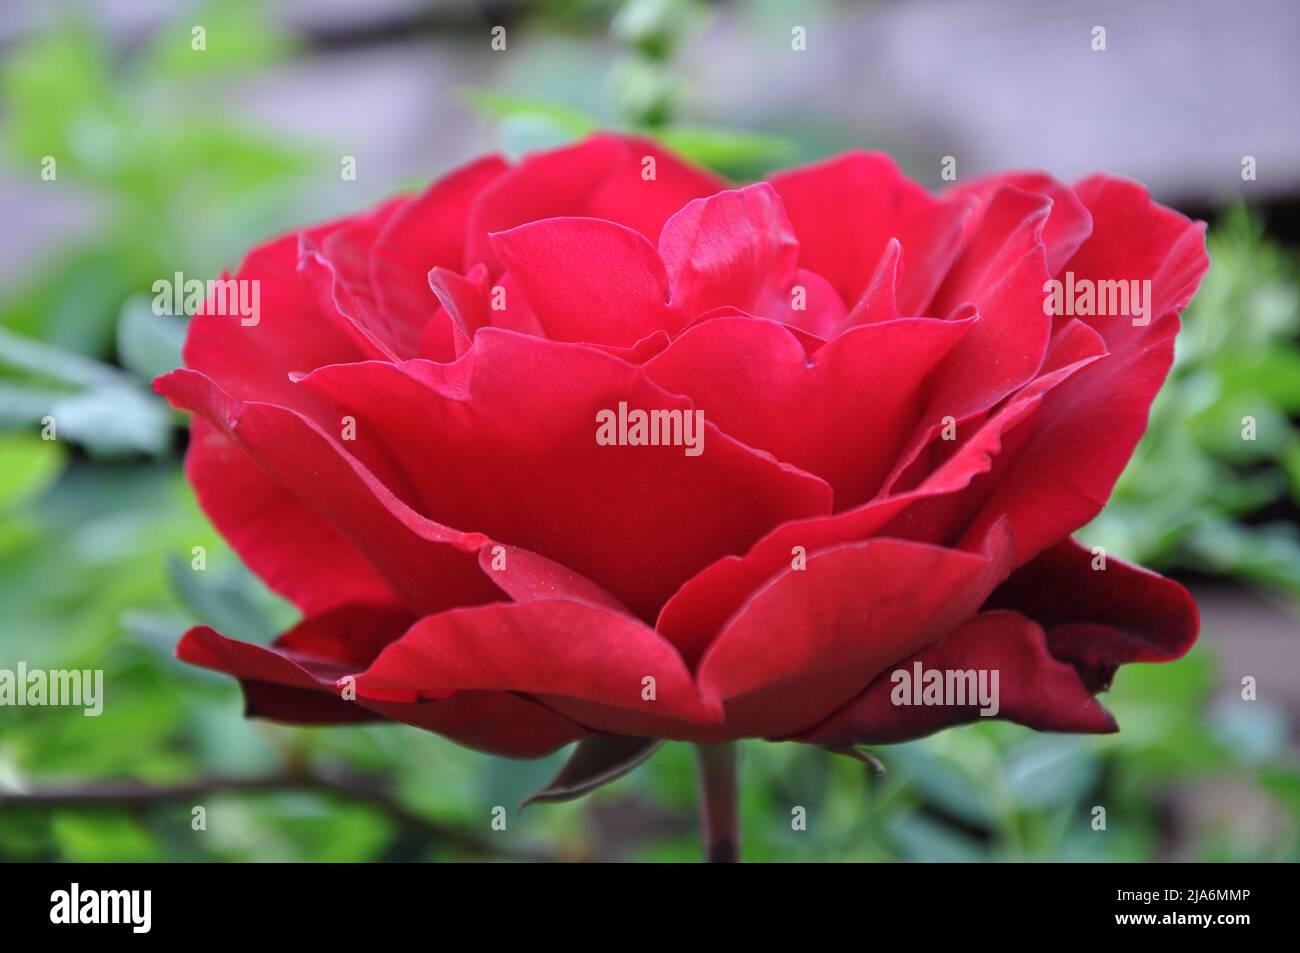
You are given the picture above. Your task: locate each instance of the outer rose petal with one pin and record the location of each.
(297, 681)
(813, 638)
(1067, 457)
(602, 177)
(1034, 688)
(844, 246)
(430, 566)
(293, 332)
(289, 545)
(589, 663)
(1101, 619)
(1135, 239)
(506, 444)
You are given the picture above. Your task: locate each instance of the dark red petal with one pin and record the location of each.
(355, 308)
(1067, 227)
(349, 636)
(1136, 239)
(1099, 619)
(733, 249)
(586, 662)
(301, 706)
(1034, 688)
(697, 611)
(847, 209)
(605, 177)
(292, 334)
(506, 444)
(525, 576)
(879, 301)
(843, 414)
(427, 232)
(347, 253)
(587, 279)
(813, 638)
(1062, 462)
(1002, 271)
(990, 452)
(282, 685)
(287, 543)
(431, 567)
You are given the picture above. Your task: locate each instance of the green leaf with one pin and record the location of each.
(94, 837)
(28, 466)
(572, 122)
(237, 34)
(32, 357)
(1051, 771)
(113, 421)
(147, 343)
(226, 601)
(23, 405)
(729, 151)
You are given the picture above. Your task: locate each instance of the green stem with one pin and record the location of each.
(719, 818)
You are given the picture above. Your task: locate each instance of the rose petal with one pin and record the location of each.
(813, 638)
(1068, 225)
(1002, 271)
(427, 232)
(843, 414)
(1034, 688)
(846, 210)
(588, 663)
(292, 332)
(281, 684)
(287, 543)
(1099, 619)
(733, 249)
(604, 176)
(430, 566)
(587, 279)
(506, 444)
(1135, 239)
(931, 512)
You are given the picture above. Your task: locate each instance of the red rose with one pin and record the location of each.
(464, 438)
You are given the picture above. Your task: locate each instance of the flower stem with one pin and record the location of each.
(719, 820)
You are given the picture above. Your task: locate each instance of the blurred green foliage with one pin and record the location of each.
(97, 530)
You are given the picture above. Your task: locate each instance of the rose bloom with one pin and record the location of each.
(899, 435)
